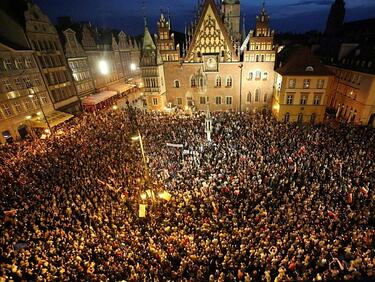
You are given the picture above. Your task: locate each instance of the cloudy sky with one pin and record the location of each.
(286, 15)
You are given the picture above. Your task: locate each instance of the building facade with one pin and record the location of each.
(353, 92)
(78, 64)
(259, 62)
(49, 53)
(152, 69)
(21, 85)
(302, 86)
(211, 69)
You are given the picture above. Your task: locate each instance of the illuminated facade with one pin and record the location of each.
(302, 85)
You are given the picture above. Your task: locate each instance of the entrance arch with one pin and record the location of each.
(23, 131)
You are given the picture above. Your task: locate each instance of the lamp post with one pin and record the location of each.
(138, 137)
(240, 66)
(40, 106)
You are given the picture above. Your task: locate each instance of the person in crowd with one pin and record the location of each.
(263, 201)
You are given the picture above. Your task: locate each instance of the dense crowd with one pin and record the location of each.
(264, 201)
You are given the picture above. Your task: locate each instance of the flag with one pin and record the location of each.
(364, 192)
(302, 150)
(349, 198)
(10, 212)
(142, 210)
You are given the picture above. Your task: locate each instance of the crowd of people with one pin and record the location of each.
(263, 201)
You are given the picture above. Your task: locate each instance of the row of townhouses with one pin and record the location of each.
(46, 70)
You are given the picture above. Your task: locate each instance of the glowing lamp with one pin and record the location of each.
(103, 67)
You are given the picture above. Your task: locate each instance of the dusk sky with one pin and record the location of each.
(127, 15)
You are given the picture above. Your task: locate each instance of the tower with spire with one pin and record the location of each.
(335, 18)
(231, 13)
(259, 60)
(152, 70)
(166, 41)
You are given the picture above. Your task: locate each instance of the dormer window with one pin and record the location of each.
(309, 68)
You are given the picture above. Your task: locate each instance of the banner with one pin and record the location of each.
(175, 145)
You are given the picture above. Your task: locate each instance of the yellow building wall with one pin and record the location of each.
(279, 104)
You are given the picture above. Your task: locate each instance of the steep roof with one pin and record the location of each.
(227, 42)
(148, 42)
(298, 60)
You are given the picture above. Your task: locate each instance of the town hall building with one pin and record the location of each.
(214, 65)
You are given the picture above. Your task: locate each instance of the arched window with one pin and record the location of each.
(248, 97)
(257, 95)
(177, 83)
(218, 81)
(262, 58)
(287, 117)
(229, 81)
(265, 75)
(257, 58)
(250, 77)
(201, 82)
(258, 75)
(309, 68)
(265, 98)
(193, 82)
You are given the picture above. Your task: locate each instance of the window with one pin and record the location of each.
(19, 63)
(265, 98)
(202, 100)
(300, 118)
(229, 81)
(218, 81)
(7, 86)
(179, 101)
(286, 117)
(248, 97)
(27, 82)
(265, 75)
(257, 95)
(289, 100)
(18, 82)
(177, 83)
(303, 99)
(192, 82)
(306, 83)
(28, 104)
(292, 83)
(8, 64)
(155, 101)
(320, 84)
(317, 99)
(18, 107)
(250, 77)
(29, 62)
(309, 69)
(43, 98)
(229, 100)
(258, 75)
(218, 100)
(6, 110)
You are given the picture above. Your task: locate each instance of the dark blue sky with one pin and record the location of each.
(286, 15)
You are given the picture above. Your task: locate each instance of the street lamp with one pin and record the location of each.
(133, 67)
(41, 107)
(103, 67)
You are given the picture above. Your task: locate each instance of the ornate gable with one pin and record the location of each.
(211, 36)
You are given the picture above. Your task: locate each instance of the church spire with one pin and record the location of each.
(336, 18)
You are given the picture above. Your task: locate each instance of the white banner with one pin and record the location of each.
(175, 145)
